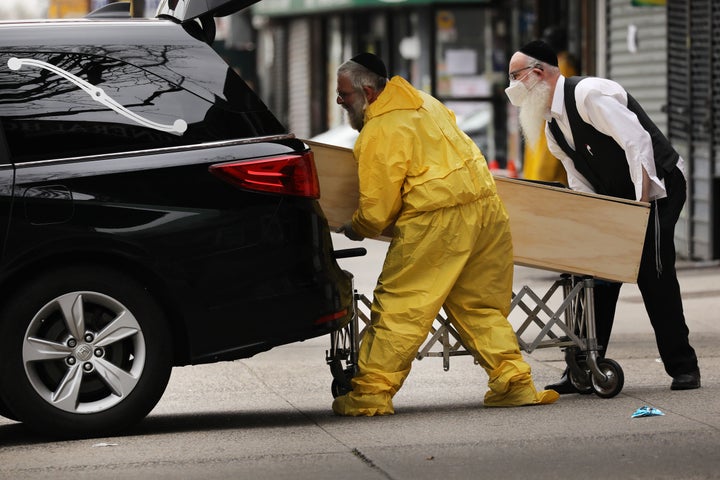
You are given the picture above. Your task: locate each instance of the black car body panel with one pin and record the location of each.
(153, 213)
(238, 271)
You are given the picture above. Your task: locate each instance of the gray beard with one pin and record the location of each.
(356, 112)
(532, 113)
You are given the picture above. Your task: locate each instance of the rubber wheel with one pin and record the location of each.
(338, 387)
(614, 381)
(86, 352)
(581, 383)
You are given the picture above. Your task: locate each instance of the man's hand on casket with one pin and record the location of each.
(349, 232)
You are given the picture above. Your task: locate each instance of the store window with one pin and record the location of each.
(471, 66)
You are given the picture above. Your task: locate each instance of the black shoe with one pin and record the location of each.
(563, 386)
(686, 381)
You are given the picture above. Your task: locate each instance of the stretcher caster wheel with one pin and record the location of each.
(614, 381)
(578, 372)
(341, 386)
(582, 383)
(338, 389)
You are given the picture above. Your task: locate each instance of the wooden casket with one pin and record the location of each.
(552, 228)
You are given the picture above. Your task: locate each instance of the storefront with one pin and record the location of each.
(693, 109)
(662, 53)
(457, 51)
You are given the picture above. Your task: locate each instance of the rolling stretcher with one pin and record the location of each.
(569, 326)
(581, 237)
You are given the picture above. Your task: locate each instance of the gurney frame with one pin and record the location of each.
(570, 326)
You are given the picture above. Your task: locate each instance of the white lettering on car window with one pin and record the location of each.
(97, 94)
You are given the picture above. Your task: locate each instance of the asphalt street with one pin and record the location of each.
(269, 416)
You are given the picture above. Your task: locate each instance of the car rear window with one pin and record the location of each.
(60, 105)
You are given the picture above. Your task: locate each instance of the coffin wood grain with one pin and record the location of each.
(553, 228)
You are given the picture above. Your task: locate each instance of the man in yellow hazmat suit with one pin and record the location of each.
(422, 176)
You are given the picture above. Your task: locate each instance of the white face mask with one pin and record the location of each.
(517, 92)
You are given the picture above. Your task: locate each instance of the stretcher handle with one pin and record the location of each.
(350, 252)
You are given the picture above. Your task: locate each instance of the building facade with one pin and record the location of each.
(456, 51)
(693, 110)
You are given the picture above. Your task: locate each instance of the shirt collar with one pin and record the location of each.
(558, 101)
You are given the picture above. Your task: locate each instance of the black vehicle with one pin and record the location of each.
(153, 213)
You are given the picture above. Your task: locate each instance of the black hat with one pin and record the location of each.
(540, 50)
(371, 62)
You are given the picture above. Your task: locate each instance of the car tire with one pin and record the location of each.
(85, 352)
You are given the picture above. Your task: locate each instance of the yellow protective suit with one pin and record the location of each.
(538, 162)
(451, 246)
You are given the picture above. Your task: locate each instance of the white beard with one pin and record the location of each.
(533, 111)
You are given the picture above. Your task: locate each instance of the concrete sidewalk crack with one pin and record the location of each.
(370, 463)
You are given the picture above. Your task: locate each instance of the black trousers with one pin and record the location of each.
(660, 289)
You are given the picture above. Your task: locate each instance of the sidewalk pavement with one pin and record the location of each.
(270, 416)
(579, 435)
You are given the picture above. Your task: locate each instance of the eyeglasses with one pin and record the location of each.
(343, 95)
(514, 74)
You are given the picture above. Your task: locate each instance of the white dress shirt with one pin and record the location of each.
(603, 104)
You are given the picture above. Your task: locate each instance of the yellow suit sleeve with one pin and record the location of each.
(382, 166)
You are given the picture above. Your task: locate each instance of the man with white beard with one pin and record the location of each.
(608, 145)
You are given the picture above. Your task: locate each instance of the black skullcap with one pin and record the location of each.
(540, 50)
(371, 62)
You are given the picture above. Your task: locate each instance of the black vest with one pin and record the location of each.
(599, 158)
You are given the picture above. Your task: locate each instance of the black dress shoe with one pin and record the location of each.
(686, 381)
(563, 386)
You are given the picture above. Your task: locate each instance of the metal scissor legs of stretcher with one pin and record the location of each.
(569, 326)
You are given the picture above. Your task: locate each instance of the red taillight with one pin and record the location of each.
(331, 317)
(286, 174)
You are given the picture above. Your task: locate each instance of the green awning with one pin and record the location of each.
(649, 3)
(295, 7)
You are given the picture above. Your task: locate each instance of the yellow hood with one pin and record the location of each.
(412, 157)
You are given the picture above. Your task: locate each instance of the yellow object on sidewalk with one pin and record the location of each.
(539, 164)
